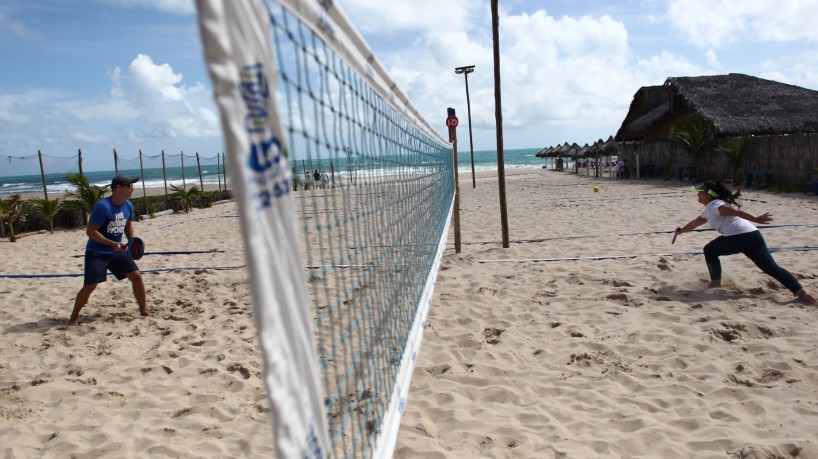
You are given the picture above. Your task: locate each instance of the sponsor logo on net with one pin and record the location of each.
(265, 158)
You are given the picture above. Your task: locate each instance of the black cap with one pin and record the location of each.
(121, 180)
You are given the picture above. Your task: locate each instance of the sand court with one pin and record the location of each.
(626, 355)
(613, 357)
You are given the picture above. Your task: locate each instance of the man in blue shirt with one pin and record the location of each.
(110, 219)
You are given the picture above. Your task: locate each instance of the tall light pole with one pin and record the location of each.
(466, 71)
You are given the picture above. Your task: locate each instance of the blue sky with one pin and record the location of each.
(128, 74)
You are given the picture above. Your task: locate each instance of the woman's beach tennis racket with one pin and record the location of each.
(673, 241)
(135, 248)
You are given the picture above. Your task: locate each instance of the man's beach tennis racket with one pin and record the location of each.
(135, 248)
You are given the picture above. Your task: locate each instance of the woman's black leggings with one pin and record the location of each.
(751, 244)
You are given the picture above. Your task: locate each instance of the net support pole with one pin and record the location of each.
(498, 114)
(116, 163)
(451, 122)
(42, 174)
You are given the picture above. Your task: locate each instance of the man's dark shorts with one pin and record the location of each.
(97, 265)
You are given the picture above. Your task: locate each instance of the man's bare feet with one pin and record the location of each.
(806, 297)
(714, 283)
(144, 312)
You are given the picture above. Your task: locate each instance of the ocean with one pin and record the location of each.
(484, 160)
(154, 178)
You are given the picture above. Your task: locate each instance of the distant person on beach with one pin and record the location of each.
(316, 178)
(738, 235)
(324, 180)
(110, 218)
(621, 168)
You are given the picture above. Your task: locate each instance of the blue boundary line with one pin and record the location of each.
(616, 257)
(158, 270)
(171, 253)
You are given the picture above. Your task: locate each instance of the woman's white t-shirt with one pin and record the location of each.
(727, 226)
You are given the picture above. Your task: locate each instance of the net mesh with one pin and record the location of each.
(374, 192)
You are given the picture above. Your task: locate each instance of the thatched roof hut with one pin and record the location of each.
(557, 151)
(729, 105)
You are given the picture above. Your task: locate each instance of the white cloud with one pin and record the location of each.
(181, 7)
(85, 138)
(718, 23)
(800, 69)
(154, 93)
(148, 107)
(560, 76)
(385, 17)
(712, 58)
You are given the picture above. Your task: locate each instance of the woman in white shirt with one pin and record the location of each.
(738, 235)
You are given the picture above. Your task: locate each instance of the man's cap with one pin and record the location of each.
(121, 180)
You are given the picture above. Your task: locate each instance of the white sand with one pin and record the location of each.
(627, 357)
(182, 383)
(624, 357)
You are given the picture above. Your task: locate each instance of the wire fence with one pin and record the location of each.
(44, 176)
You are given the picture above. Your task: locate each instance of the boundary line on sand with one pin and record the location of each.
(615, 257)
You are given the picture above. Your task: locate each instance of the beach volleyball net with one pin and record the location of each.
(345, 194)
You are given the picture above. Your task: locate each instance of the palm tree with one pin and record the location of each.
(49, 208)
(12, 210)
(736, 151)
(691, 134)
(86, 194)
(185, 197)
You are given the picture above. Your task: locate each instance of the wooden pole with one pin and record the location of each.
(182, 156)
(142, 177)
(224, 171)
(42, 174)
(165, 178)
(84, 213)
(116, 163)
(199, 166)
(498, 115)
(219, 172)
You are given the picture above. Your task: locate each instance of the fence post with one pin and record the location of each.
(42, 174)
(199, 165)
(84, 212)
(182, 156)
(224, 171)
(219, 171)
(142, 177)
(116, 163)
(79, 154)
(165, 177)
